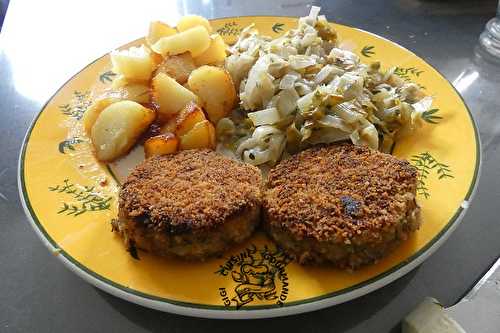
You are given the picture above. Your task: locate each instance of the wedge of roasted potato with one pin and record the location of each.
(190, 21)
(161, 145)
(215, 88)
(195, 40)
(189, 116)
(99, 104)
(177, 67)
(134, 63)
(118, 127)
(215, 53)
(202, 135)
(158, 30)
(170, 96)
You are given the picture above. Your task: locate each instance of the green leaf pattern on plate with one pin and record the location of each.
(230, 29)
(431, 116)
(68, 144)
(77, 106)
(368, 51)
(426, 164)
(84, 199)
(107, 77)
(278, 27)
(407, 72)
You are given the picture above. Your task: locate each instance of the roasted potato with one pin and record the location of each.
(195, 40)
(156, 58)
(136, 92)
(215, 53)
(202, 135)
(214, 86)
(189, 116)
(177, 67)
(117, 128)
(99, 104)
(158, 30)
(120, 81)
(190, 21)
(170, 96)
(161, 145)
(169, 126)
(134, 63)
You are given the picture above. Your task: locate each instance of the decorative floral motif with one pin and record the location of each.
(78, 105)
(431, 116)
(68, 144)
(405, 73)
(426, 164)
(86, 199)
(367, 51)
(278, 27)
(107, 76)
(230, 29)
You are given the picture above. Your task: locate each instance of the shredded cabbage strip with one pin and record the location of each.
(302, 89)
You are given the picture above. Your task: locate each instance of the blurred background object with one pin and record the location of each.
(490, 38)
(3, 10)
(478, 84)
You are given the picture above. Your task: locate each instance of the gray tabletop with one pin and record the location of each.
(42, 44)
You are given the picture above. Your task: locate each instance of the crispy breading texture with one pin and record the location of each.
(341, 193)
(192, 190)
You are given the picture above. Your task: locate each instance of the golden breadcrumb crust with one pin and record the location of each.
(339, 191)
(192, 190)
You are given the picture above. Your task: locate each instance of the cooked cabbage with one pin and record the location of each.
(302, 89)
